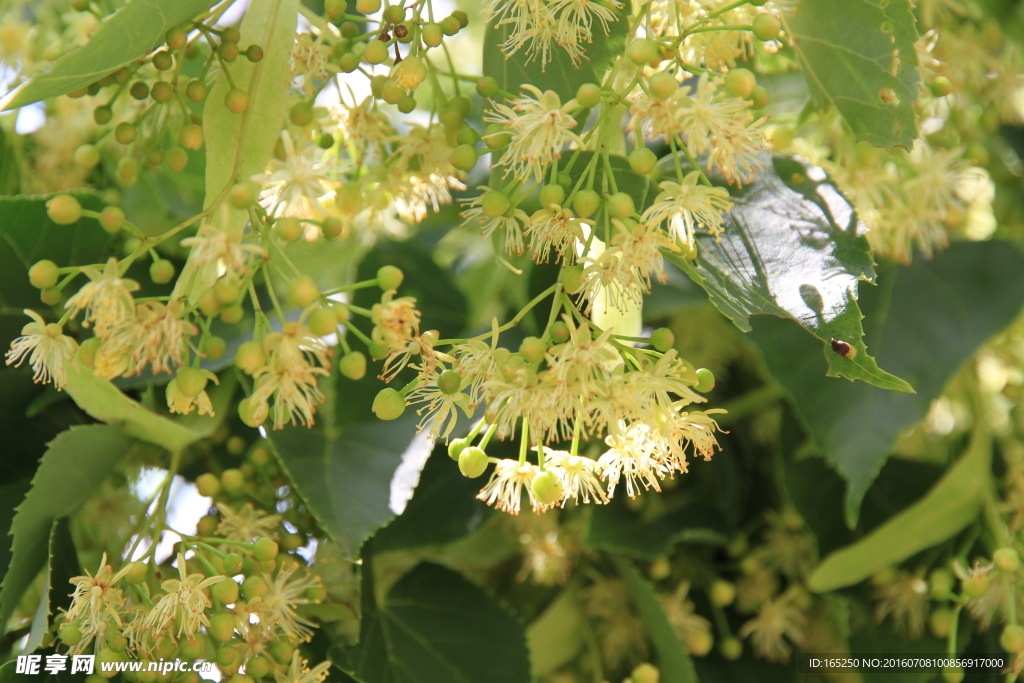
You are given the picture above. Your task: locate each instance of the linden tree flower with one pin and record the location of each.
(179, 402)
(183, 605)
(578, 474)
(106, 298)
(276, 609)
(297, 671)
(556, 228)
(246, 524)
(511, 226)
(47, 348)
(96, 603)
(633, 455)
(504, 490)
(540, 126)
(907, 600)
(687, 206)
(776, 621)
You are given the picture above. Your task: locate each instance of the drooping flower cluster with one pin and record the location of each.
(536, 25)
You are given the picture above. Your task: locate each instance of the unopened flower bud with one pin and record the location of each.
(388, 404)
(472, 462)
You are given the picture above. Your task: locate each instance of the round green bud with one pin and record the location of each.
(467, 135)
(620, 205)
(456, 447)
(334, 8)
(533, 350)
(136, 573)
(975, 586)
(154, 157)
(572, 278)
(388, 404)
(102, 115)
(163, 61)
(222, 627)
(161, 92)
(242, 195)
(127, 171)
(208, 484)
(740, 82)
(118, 643)
(472, 462)
(229, 51)
(191, 381)
(71, 635)
(394, 14)
(87, 350)
(642, 160)
(551, 194)
(139, 90)
(450, 26)
(301, 114)
(213, 348)
(462, 17)
(722, 593)
(125, 132)
(547, 488)
(233, 563)
(325, 141)
(486, 86)
(559, 332)
(236, 100)
(766, 27)
(407, 104)
(449, 382)
(112, 219)
(207, 525)
(254, 587)
(225, 592)
(700, 643)
(662, 85)
(645, 673)
(87, 156)
(288, 229)
(376, 52)
(349, 30)
(63, 209)
(192, 648)
(349, 62)
(353, 365)
(196, 90)
(232, 480)
(940, 86)
(731, 649)
(265, 549)
(302, 291)
(759, 97)
(322, 322)
(250, 357)
(378, 351)
(642, 51)
(586, 203)
(940, 622)
(161, 272)
(176, 158)
(496, 136)
(389, 277)
(258, 667)
(332, 227)
(51, 296)
(705, 380)
(940, 584)
(495, 203)
(588, 95)
(107, 656)
(43, 274)
(463, 157)
(662, 339)
(433, 35)
(1006, 560)
(281, 650)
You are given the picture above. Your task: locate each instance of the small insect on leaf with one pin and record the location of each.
(844, 349)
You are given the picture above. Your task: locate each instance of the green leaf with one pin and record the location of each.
(61, 566)
(105, 402)
(560, 74)
(615, 529)
(27, 235)
(443, 509)
(793, 248)
(926, 320)
(557, 635)
(351, 473)
(674, 662)
(75, 463)
(434, 626)
(130, 33)
(239, 146)
(950, 506)
(859, 56)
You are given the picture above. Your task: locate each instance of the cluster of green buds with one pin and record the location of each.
(166, 97)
